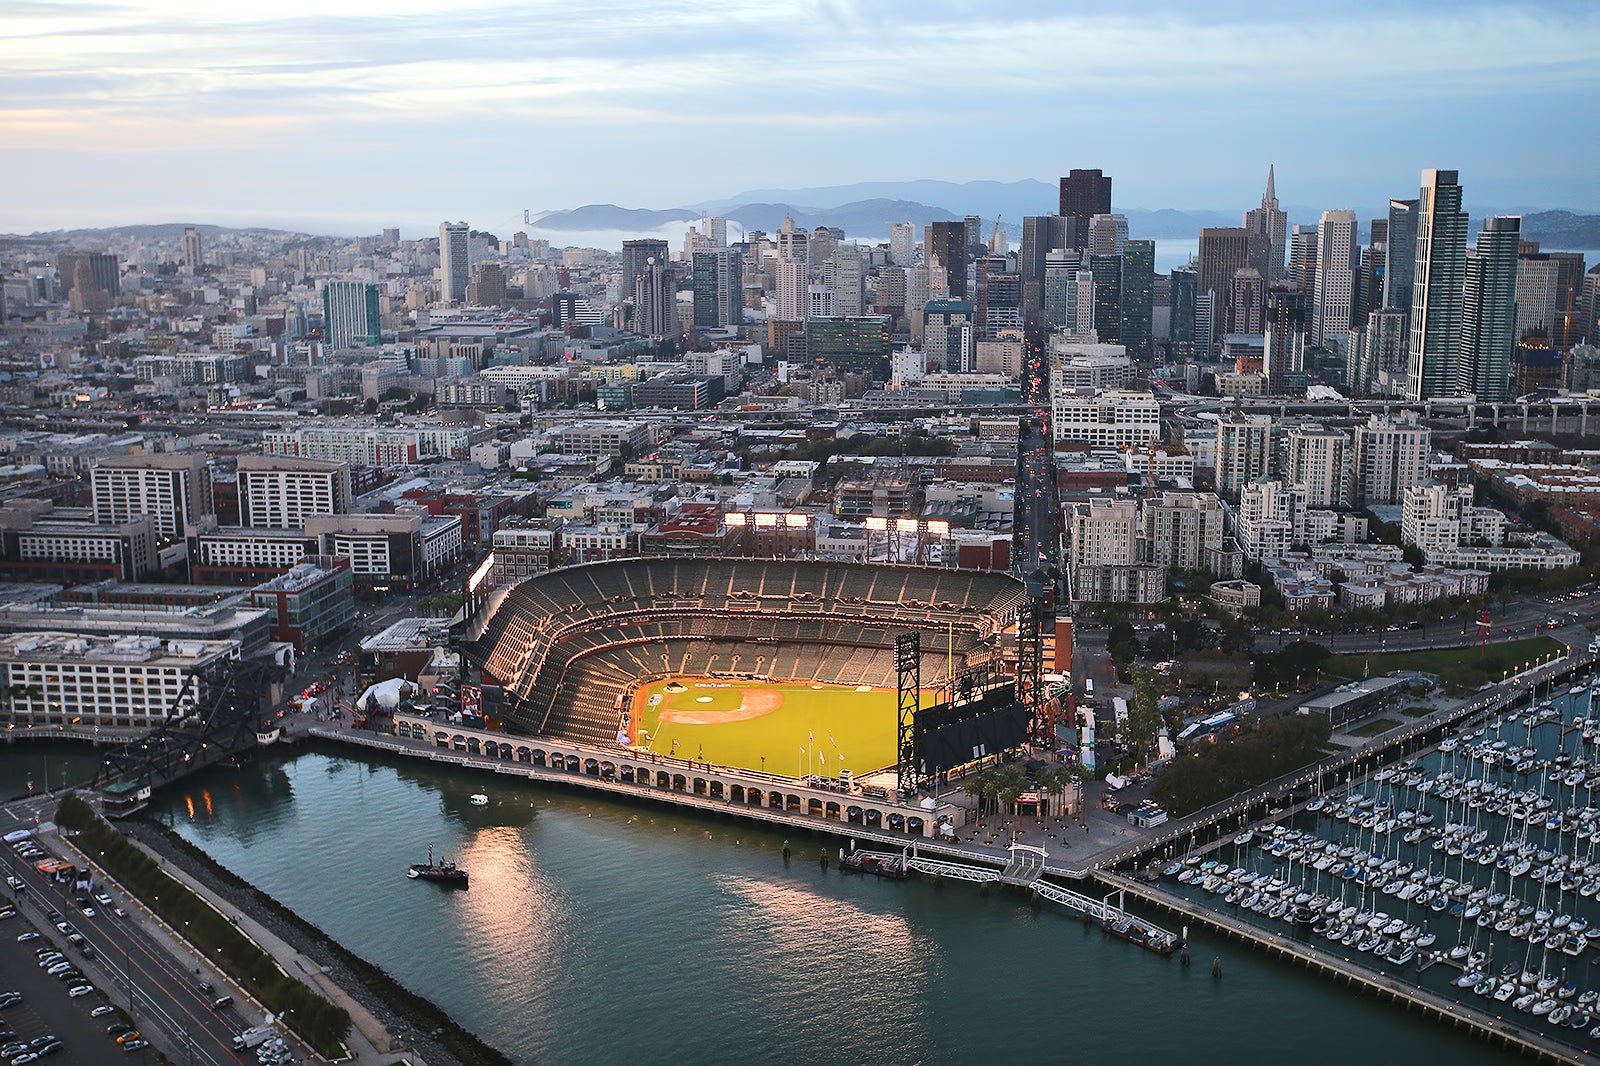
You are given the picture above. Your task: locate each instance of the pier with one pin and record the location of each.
(1495, 1030)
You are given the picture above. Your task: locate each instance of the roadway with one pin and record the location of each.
(134, 961)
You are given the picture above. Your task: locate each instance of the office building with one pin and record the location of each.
(1244, 452)
(193, 251)
(455, 261)
(1390, 453)
(902, 244)
(856, 344)
(718, 282)
(1224, 251)
(1107, 273)
(1488, 312)
(1247, 302)
(62, 679)
(279, 492)
(1137, 287)
(1537, 278)
(1108, 234)
(350, 314)
(997, 310)
(1269, 233)
(846, 275)
(949, 336)
(1335, 287)
(171, 489)
(1041, 235)
(791, 287)
(97, 271)
(1112, 418)
(1068, 294)
(1181, 311)
(655, 297)
(945, 245)
(313, 601)
(1437, 284)
(1303, 257)
(1287, 318)
(1084, 194)
(1400, 256)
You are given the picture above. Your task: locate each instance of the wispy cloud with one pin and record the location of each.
(882, 87)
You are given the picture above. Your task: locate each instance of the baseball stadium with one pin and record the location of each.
(777, 666)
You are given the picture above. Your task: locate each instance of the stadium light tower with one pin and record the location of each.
(908, 687)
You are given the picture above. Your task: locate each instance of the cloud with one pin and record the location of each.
(811, 89)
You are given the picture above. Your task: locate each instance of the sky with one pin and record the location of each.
(406, 112)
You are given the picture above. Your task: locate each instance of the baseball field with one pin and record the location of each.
(791, 729)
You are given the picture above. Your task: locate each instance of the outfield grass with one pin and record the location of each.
(784, 729)
(1460, 669)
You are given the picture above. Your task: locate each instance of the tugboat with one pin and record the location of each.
(444, 872)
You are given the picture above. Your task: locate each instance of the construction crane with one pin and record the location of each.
(997, 243)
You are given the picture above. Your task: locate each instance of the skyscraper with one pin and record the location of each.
(1224, 251)
(1041, 235)
(718, 281)
(1107, 271)
(1247, 302)
(101, 266)
(455, 261)
(1244, 451)
(1303, 257)
(902, 243)
(350, 314)
(1288, 309)
(1108, 234)
(948, 336)
(193, 252)
(1436, 287)
(998, 306)
(655, 299)
(847, 276)
(1138, 285)
(1488, 311)
(791, 283)
(946, 244)
(1084, 194)
(1400, 255)
(1182, 315)
(1336, 276)
(1269, 233)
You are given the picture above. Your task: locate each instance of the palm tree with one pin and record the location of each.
(1010, 784)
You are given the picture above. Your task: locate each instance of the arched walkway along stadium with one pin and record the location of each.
(664, 778)
(570, 645)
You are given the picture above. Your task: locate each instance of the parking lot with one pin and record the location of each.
(47, 1009)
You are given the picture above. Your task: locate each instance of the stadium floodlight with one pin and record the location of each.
(794, 520)
(874, 522)
(939, 529)
(906, 525)
(734, 519)
(765, 520)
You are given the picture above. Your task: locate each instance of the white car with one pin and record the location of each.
(80, 990)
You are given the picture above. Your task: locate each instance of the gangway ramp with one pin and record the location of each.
(954, 870)
(1073, 901)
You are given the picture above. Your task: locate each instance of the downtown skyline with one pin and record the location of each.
(385, 114)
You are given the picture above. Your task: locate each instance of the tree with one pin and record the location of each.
(1144, 716)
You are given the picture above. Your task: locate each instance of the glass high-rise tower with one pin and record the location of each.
(1436, 286)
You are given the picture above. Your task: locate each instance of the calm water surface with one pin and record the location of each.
(596, 930)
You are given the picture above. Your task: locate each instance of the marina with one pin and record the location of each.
(1463, 878)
